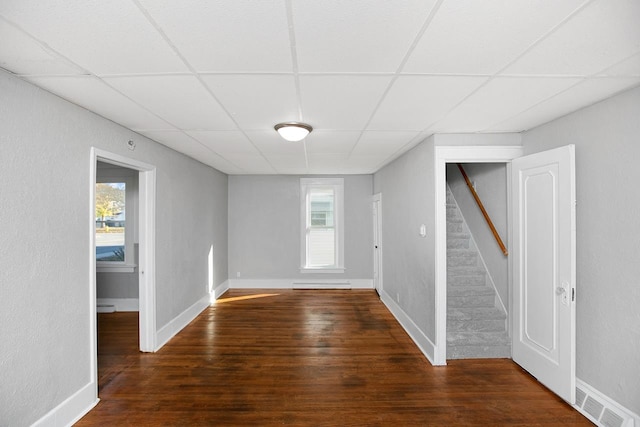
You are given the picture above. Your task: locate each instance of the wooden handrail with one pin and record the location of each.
(484, 212)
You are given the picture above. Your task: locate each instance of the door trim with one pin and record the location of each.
(377, 232)
(442, 156)
(146, 261)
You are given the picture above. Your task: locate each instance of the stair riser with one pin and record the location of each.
(454, 227)
(478, 352)
(466, 280)
(457, 243)
(469, 260)
(471, 301)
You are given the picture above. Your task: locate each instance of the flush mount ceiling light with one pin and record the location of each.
(293, 131)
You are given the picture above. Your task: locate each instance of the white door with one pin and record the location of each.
(544, 259)
(377, 242)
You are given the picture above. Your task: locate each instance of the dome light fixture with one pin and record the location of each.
(293, 131)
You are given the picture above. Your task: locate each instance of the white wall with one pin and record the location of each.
(44, 256)
(491, 186)
(408, 200)
(264, 228)
(607, 139)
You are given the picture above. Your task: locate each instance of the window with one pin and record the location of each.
(115, 207)
(322, 237)
(110, 221)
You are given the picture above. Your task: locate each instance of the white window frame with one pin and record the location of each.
(129, 263)
(306, 185)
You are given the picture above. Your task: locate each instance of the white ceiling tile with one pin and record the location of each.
(364, 164)
(288, 164)
(223, 36)
(91, 93)
(183, 143)
(583, 94)
(251, 163)
(600, 35)
(481, 37)
(321, 141)
(269, 141)
(415, 102)
(323, 163)
(105, 37)
(225, 142)
(354, 36)
(256, 101)
(181, 100)
(499, 100)
(628, 67)
(340, 102)
(21, 54)
(382, 144)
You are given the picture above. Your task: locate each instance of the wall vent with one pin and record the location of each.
(601, 410)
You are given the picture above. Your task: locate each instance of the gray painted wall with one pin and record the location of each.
(607, 142)
(491, 186)
(264, 228)
(408, 200)
(44, 256)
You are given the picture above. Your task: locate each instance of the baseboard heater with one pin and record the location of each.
(321, 284)
(105, 308)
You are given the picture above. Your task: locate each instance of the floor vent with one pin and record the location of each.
(601, 410)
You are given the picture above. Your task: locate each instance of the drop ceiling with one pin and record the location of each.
(373, 77)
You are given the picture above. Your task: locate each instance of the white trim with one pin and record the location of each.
(72, 409)
(423, 342)
(179, 322)
(630, 419)
(442, 156)
(378, 232)
(219, 291)
(300, 283)
(119, 304)
(146, 239)
(116, 267)
(331, 270)
(307, 184)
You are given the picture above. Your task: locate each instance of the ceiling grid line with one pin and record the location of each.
(152, 21)
(416, 39)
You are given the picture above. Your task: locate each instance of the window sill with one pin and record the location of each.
(116, 268)
(335, 270)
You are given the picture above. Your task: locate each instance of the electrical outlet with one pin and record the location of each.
(238, 274)
(398, 297)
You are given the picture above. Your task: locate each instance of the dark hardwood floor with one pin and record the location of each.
(284, 357)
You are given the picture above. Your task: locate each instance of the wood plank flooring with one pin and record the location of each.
(286, 357)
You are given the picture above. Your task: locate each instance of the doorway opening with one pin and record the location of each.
(120, 254)
(477, 262)
(444, 155)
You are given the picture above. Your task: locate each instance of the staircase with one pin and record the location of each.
(476, 323)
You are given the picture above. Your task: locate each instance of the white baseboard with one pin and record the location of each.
(419, 338)
(169, 330)
(72, 409)
(600, 409)
(219, 290)
(301, 283)
(119, 304)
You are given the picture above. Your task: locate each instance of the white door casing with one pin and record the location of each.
(544, 274)
(377, 242)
